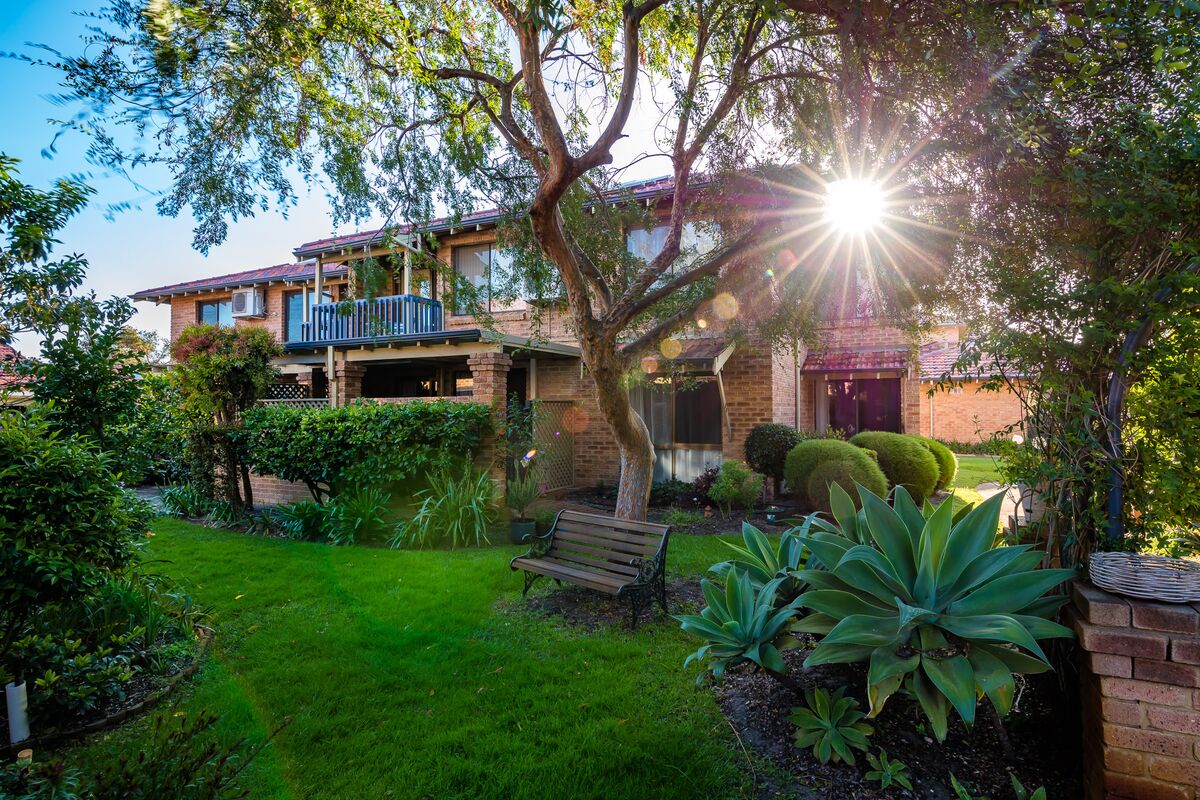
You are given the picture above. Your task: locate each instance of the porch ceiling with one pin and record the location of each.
(439, 344)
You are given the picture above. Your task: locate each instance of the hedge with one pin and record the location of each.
(362, 442)
(904, 460)
(946, 460)
(808, 459)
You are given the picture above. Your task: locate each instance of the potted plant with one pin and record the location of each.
(523, 489)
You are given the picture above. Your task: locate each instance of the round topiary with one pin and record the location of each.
(904, 460)
(845, 474)
(767, 446)
(806, 457)
(946, 460)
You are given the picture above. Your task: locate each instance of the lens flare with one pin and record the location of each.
(725, 305)
(853, 205)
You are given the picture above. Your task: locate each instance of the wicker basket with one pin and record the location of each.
(1171, 580)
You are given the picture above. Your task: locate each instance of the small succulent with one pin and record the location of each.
(887, 771)
(832, 725)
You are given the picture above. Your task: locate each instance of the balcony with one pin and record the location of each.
(363, 321)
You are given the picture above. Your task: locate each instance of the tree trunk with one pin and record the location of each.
(629, 432)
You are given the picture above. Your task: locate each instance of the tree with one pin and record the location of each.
(527, 105)
(1081, 271)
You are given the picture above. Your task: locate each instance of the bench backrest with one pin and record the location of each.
(597, 542)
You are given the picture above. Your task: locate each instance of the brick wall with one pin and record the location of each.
(1140, 684)
(966, 413)
(271, 491)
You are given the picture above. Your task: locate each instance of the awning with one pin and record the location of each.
(856, 360)
(689, 355)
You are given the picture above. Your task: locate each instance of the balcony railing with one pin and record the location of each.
(364, 320)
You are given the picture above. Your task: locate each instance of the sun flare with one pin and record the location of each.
(854, 205)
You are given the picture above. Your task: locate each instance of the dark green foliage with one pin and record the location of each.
(808, 455)
(671, 492)
(184, 500)
(161, 422)
(845, 474)
(832, 725)
(65, 520)
(735, 487)
(457, 509)
(358, 513)
(767, 446)
(886, 771)
(303, 520)
(946, 460)
(987, 447)
(70, 676)
(904, 460)
(362, 443)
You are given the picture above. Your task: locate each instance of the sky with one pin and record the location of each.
(135, 249)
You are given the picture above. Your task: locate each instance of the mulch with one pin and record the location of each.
(592, 610)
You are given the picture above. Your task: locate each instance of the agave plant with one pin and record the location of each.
(886, 771)
(741, 624)
(931, 604)
(832, 725)
(764, 562)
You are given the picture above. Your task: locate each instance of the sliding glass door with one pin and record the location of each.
(864, 404)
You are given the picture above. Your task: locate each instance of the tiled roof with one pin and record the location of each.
(938, 362)
(250, 277)
(8, 359)
(855, 360)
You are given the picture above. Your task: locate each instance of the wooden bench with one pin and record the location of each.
(619, 557)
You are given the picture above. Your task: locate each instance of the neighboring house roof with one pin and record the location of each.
(9, 380)
(856, 360)
(937, 362)
(251, 277)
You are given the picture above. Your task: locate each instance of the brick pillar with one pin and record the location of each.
(490, 374)
(1140, 683)
(305, 378)
(349, 381)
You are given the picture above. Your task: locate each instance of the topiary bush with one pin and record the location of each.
(843, 473)
(767, 446)
(946, 460)
(904, 460)
(807, 456)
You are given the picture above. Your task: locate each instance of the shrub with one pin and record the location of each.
(929, 603)
(988, 447)
(736, 487)
(808, 455)
(184, 500)
(832, 725)
(947, 462)
(704, 482)
(457, 508)
(767, 446)
(670, 492)
(362, 443)
(357, 513)
(522, 491)
(904, 460)
(682, 517)
(304, 520)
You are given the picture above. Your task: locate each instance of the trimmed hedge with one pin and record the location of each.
(367, 443)
(811, 458)
(767, 447)
(946, 460)
(904, 460)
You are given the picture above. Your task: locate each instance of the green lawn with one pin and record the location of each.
(972, 471)
(405, 677)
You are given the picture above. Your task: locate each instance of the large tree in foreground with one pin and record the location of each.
(407, 107)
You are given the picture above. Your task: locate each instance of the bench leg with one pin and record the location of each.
(662, 592)
(635, 608)
(530, 577)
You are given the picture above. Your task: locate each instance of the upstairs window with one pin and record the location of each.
(694, 242)
(215, 312)
(488, 269)
(293, 311)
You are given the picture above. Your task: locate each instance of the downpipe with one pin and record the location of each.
(18, 712)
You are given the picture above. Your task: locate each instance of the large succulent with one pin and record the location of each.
(929, 602)
(764, 561)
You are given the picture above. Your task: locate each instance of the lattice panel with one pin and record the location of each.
(287, 391)
(555, 440)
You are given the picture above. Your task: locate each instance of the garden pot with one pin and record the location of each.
(521, 531)
(18, 712)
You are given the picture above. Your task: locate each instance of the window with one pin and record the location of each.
(684, 420)
(864, 404)
(695, 241)
(487, 268)
(215, 312)
(293, 312)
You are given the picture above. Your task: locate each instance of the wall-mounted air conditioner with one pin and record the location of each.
(248, 303)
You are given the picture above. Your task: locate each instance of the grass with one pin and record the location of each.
(972, 471)
(410, 674)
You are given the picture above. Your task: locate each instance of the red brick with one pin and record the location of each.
(1129, 762)
(1166, 672)
(1169, 617)
(1185, 651)
(1161, 743)
(1111, 664)
(1173, 719)
(1158, 693)
(1127, 787)
(1099, 607)
(1121, 712)
(1126, 642)
(1168, 769)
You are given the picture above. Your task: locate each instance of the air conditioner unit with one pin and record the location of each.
(248, 303)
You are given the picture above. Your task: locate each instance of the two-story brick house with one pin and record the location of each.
(414, 341)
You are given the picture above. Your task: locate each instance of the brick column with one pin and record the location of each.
(305, 379)
(349, 381)
(490, 374)
(1140, 683)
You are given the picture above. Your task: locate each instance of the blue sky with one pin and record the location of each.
(137, 249)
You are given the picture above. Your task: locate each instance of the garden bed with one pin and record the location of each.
(1042, 729)
(693, 520)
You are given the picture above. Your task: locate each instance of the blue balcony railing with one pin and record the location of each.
(364, 320)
